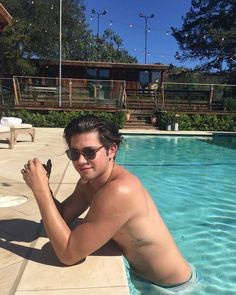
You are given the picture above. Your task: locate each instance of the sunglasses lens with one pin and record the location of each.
(73, 155)
(89, 153)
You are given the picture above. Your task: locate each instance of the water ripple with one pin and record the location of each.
(175, 164)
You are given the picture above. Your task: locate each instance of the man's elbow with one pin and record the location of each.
(69, 260)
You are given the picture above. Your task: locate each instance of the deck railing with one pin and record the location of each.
(208, 96)
(7, 95)
(75, 92)
(43, 92)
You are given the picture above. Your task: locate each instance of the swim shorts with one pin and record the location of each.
(147, 288)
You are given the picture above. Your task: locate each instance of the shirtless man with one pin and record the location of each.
(119, 209)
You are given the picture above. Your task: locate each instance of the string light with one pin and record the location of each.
(167, 33)
(149, 29)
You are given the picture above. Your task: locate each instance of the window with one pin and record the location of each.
(104, 74)
(91, 73)
(144, 77)
(156, 76)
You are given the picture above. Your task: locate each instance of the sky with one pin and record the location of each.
(123, 18)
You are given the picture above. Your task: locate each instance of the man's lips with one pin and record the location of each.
(84, 168)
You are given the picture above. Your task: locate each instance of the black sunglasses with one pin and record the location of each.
(88, 153)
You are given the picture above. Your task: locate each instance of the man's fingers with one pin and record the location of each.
(23, 171)
(32, 165)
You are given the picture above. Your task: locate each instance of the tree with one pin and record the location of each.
(208, 34)
(109, 48)
(35, 34)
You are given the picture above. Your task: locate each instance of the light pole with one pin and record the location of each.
(104, 12)
(146, 18)
(60, 51)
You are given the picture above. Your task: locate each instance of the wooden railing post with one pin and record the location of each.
(70, 93)
(211, 97)
(122, 96)
(162, 96)
(16, 90)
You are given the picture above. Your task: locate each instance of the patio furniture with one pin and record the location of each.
(17, 128)
(7, 134)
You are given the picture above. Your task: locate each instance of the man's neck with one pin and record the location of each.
(99, 182)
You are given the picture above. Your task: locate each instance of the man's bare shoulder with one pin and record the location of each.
(123, 181)
(120, 173)
(122, 189)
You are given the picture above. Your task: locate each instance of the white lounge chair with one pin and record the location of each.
(7, 134)
(17, 127)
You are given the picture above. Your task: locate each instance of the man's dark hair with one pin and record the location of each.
(107, 131)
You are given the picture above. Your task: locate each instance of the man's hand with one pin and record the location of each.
(36, 176)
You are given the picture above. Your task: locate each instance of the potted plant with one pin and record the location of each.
(169, 118)
(176, 122)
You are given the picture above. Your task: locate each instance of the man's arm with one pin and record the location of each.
(106, 216)
(74, 205)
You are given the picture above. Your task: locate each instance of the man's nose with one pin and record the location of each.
(81, 159)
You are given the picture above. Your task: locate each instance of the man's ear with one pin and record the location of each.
(112, 151)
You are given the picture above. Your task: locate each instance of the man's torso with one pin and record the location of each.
(144, 239)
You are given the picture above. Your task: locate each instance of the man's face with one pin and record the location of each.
(90, 169)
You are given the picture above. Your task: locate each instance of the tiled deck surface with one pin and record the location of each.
(27, 262)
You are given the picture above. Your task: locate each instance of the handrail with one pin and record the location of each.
(44, 90)
(212, 91)
(198, 84)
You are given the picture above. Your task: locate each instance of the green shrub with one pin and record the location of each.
(201, 122)
(185, 122)
(165, 118)
(60, 118)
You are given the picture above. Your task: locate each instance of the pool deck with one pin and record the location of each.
(27, 262)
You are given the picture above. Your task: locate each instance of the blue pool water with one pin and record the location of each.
(193, 183)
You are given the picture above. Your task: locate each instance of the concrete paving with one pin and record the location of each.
(28, 264)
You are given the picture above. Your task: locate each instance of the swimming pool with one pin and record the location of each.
(193, 183)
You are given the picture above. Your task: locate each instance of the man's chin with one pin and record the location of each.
(86, 177)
